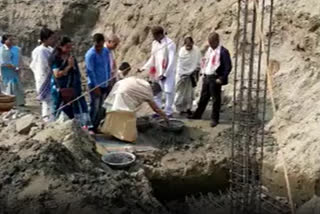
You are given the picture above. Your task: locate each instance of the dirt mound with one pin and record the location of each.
(62, 173)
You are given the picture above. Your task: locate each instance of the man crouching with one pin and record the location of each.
(122, 103)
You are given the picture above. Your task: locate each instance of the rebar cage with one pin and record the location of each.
(253, 43)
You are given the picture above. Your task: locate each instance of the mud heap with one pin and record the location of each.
(56, 170)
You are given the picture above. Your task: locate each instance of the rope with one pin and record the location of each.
(79, 97)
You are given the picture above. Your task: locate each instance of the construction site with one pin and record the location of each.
(262, 158)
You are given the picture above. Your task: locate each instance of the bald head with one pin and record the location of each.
(113, 41)
(214, 40)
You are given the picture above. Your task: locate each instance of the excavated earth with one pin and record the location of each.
(56, 169)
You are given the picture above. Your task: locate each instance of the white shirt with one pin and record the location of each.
(128, 94)
(188, 61)
(40, 64)
(211, 61)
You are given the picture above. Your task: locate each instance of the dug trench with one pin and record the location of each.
(188, 171)
(175, 193)
(183, 165)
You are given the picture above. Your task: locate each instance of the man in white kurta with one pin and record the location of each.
(41, 69)
(42, 72)
(128, 94)
(162, 67)
(188, 64)
(126, 97)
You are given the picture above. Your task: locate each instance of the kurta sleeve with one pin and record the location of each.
(198, 58)
(150, 62)
(171, 59)
(5, 57)
(43, 63)
(179, 68)
(1, 56)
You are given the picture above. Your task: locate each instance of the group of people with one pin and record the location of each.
(58, 77)
(178, 81)
(170, 84)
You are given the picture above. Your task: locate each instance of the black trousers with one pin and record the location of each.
(210, 89)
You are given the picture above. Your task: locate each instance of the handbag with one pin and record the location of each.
(194, 78)
(67, 94)
(193, 81)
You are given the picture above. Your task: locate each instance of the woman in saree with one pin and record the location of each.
(66, 84)
(10, 60)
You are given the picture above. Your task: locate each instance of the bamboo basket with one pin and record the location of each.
(6, 102)
(7, 98)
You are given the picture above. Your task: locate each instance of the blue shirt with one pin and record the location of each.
(97, 67)
(15, 55)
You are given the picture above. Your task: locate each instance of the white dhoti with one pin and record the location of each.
(184, 94)
(47, 110)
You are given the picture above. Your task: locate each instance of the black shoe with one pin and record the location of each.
(189, 113)
(214, 123)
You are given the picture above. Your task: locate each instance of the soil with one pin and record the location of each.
(63, 174)
(55, 169)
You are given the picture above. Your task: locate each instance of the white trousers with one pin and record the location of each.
(169, 99)
(47, 110)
